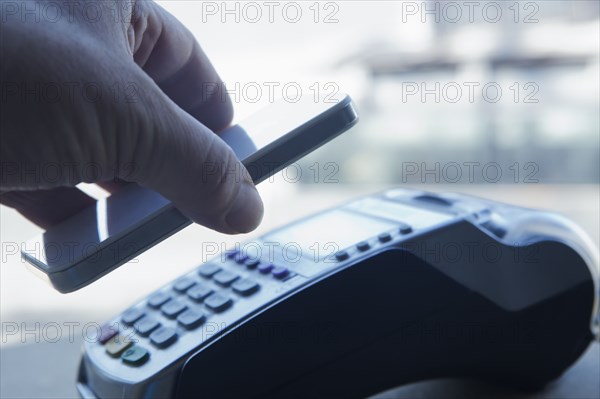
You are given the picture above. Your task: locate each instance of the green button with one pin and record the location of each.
(135, 356)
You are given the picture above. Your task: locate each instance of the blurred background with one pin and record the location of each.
(497, 99)
(508, 82)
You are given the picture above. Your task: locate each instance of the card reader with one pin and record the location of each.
(384, 290)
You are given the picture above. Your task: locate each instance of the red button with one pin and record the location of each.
(107, 332)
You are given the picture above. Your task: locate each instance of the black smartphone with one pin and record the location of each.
(101, 238)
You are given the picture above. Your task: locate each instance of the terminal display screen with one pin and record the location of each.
(325, 234)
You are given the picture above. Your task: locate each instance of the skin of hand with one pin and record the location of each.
(114, 92)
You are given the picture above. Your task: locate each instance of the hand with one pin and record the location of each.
(114, 92)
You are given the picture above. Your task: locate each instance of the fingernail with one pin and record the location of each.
(247, 210)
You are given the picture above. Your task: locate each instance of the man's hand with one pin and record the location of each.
(114, 91)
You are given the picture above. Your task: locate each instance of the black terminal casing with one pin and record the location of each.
(515, 304)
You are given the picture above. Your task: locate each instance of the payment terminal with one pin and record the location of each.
(384, 290)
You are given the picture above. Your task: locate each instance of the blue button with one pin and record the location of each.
(208, 270)
(280, 272)
(191, 319)
(172, 308)
(158, 299)
(225, 277)
(363, 246)
(245, 286)
(265, 268)
(385, 237)
(132, 315)
(199, 292)
(240, 258)
(230, 254)
(252, 263)
(217, 302)
(163, 337)
(146, 325)
(405, 228)
(183, 284)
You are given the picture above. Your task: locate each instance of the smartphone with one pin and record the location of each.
(104, 236)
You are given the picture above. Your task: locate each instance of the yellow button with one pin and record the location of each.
(117, 344)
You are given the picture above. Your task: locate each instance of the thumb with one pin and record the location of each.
(177, 156)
